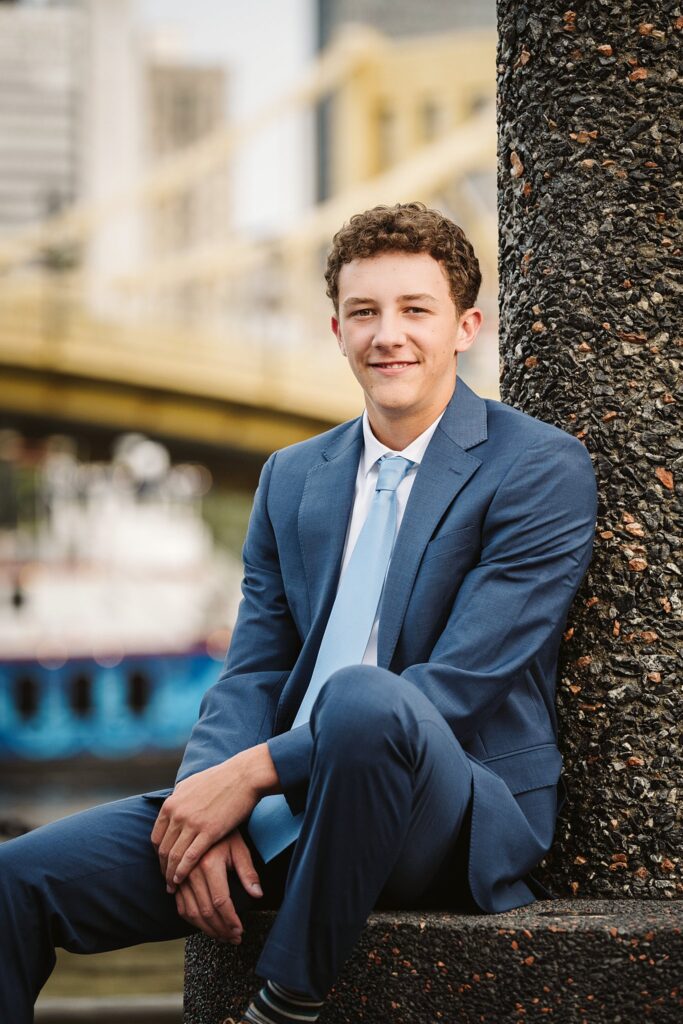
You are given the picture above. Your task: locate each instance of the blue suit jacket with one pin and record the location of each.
(495, 539)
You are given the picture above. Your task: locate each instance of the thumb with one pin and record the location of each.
(244, 866)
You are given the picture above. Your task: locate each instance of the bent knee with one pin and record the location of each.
(358, 704)
(359, 687)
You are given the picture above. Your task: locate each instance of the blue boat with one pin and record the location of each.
(143, 704)
(115, 601)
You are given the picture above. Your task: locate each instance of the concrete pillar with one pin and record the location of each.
(589, 153)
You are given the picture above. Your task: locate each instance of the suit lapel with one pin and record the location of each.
(444, 471)
(324, 514)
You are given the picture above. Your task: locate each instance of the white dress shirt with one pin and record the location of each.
(366, 480)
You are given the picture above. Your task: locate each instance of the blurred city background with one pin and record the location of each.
(171, 175)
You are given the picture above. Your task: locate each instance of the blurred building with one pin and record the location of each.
(146, 108)
(41, 97)
(85, 107)
(184, 104)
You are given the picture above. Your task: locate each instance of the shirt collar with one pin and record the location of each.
(374, 449)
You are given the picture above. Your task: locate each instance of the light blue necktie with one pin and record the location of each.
(272, 825)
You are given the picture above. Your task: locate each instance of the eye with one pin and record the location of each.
(361, 312)
(416, 309)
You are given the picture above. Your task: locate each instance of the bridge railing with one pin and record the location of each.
(244, 319)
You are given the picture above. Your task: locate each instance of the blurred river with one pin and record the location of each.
(33, 793)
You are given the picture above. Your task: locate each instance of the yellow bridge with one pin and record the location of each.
(226, 340)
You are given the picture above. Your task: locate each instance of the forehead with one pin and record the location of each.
(395, 273)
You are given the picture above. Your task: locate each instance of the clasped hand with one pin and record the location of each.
(204, 899)
(201, 810)
(198, 842)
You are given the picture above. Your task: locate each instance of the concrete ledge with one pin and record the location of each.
(161, 1009)
(570, 961)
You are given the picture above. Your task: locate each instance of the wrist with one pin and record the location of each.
(261, 775)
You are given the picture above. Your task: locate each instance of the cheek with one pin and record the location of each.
(444, 356)
(435, 357)
(355, 344)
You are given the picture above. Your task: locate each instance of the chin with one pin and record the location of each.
(398, 407)
(394, 391)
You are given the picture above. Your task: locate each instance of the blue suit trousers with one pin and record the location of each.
(385, 825)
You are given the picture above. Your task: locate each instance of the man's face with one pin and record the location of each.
(400, 330)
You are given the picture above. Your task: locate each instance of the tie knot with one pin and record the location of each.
(392, 469)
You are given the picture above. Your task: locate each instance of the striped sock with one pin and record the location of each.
(277, 1005)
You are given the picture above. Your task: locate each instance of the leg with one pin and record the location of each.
(389, 789)
(88, 883)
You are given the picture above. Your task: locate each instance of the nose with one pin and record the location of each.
(388, 331)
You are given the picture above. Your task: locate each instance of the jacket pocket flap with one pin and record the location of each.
(451, 541)
(527, 769)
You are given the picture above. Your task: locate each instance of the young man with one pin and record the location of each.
(391, 675)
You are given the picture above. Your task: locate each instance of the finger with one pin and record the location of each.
(230, 929)
(166, 845)
(160, 826)
(192, 914)
(163, 865)
(216, 877)
(244, 866)
(173, 847)
(184, 856)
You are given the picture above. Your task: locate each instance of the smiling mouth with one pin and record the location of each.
(391, 366)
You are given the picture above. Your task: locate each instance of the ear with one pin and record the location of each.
(336, 330)
(468, 328)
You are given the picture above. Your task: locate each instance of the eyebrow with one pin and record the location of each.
(354, 300)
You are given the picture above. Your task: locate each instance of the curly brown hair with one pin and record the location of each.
(407, 227)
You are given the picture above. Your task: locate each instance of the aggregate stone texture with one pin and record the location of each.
(569, 961)
(589, 161)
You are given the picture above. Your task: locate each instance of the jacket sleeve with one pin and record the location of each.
(238, 711)
(537, 536)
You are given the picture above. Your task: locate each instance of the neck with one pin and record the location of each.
(397, 433)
